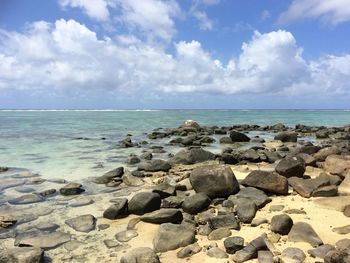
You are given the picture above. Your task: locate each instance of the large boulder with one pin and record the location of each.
(140, 255)
(291, 166)
(303, 232)
(306, 187)
(154, 165)
(251, 193)
(192, 156)
(109, 176)
(196, 203)
(172, 236)
(267, 181)
(238, 137)
(119, 209)
(214, 180)
(337, 164)
(144, 202)
(22, 255)
(287, 136)
(322, 154)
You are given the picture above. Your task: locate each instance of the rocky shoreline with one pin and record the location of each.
(281, 200)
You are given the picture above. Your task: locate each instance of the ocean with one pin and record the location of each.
(76, 144)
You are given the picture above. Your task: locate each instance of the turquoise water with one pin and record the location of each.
(43, 141)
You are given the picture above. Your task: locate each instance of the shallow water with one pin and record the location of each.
(46, 141)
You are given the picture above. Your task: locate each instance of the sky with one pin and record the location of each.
(175, 54)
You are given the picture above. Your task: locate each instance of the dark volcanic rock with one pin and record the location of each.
(238, 137)
(22, 255)
(250, 251)
(83, 223)
(192, 156)
(72, 189)
(140, 255)
(196, 203)
(144, 202)
(172, 202)
(214, 181)
(224, 221)
(321, 251)
(233, 244)
(164, 190)
(172, 236)
(246, 210)
(166, 215)
(109, 176)
(257, 196)
(119, 209)
(289, 167)
(303, 232)
(154, 165)
(287, 136)
(267, 181)
(281, 224)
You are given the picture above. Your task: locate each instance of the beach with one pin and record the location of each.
(149, 186)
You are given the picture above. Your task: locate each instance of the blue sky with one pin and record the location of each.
(175, 54)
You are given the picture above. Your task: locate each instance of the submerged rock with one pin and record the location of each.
(22, 255)
(72, 189)
(43, 240)
(125, 236)
(26, 199)
(83, 223)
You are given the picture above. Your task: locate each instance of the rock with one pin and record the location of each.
(337, 164)
(267, 181)
(110, 243)
(214, 180)
(47, 192)
(219, 233)
(226, 140)
(250, 251)
(166, 215)
(303, 232)
(172, 202)
(281, 224)
(118, 210)
(173, 236)
(81, 201)
(306, 187)
(258, 221)
(346, 211)
(322, 154)
(337, 203)
(265, 256)
(342, 230)
(26, 199)
(131, 180)
(144, 202)
(251, 156)
(133, 159)
(257, 196)
(272, 157)
(165, 190)
(321, 251)
(308, 159)
(228, 158)
(188, 251)
(196, 203)
(42, 240)
(47, 227)
(109, 176)
(293, 254)
(140, 255)
(342, 256)
(344, 187)
(72, 189)
(325, 191)
(3, 169)
(224, 221)
(22, 255)
(7, 221)
(216, 252)
(154, 165)
(287, 136)
(291, 166)
(190, 124)
(73, 245)
(192, 156)
(238, 137)
(83, 223)
(125, 236)
(343, 244)
(233, 244)
(246, 210)
(276, 208)
(147, 156)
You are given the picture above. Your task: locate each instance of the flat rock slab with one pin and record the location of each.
(26, 199)
(337, 203)
(42, 240)
(257, 196)
(22, 255)
(172, 236)
(342, 230)
(166, 215)
(126, 235)
(140, 254)
(4, 184)
(82, 201)
(303, 232)
(321, 251)
(83, 223)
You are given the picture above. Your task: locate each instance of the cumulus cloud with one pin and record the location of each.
(67, 55)
(333, 12)
(96, 9)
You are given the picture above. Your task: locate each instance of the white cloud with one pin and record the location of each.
(96, 9)
(67, 55)
(329, 11)
(198, 12)
(204, 22)
(265, 15)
